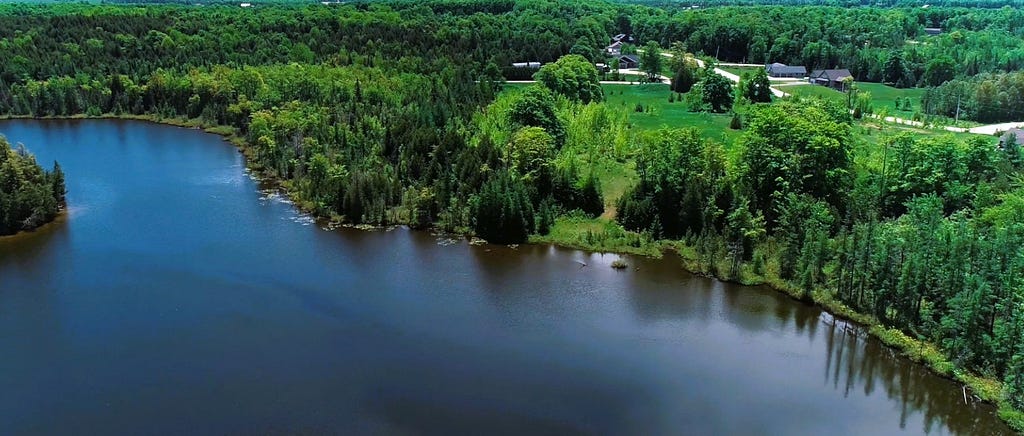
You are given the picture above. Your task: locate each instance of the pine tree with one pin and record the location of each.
(57, 186)
(736, 123)
(544, 221)
(591, 201)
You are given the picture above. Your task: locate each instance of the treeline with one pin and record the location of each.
(986, 98)
(862, 40)
(991, 4)
(29, 195)
(925, 238)
(44, 41)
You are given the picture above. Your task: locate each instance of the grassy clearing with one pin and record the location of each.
(598, 234)
(883, 96)
(616, 178)
(883, 99)
(658, 112)
(739, 71)
(814, 91)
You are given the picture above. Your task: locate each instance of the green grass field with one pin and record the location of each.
(882, 96)
(659, 113)
(739, 71)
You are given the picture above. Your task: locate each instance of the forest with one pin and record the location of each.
(397, 113)
(29, 195)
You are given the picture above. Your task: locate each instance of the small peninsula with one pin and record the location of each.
(29, 195)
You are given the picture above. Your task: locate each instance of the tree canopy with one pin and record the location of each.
(572, 76)
(29, 196)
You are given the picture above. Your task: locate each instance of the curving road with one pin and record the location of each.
(734, 78)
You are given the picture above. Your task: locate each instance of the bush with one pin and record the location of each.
(736, 123)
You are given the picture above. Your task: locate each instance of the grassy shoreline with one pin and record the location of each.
(578, 234)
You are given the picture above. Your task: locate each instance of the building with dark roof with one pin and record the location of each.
(783, 70)
(629, 61)
(831, 78)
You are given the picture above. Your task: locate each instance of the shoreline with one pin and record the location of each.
(60, 218)
(920, 352)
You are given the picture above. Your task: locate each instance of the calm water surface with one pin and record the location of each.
(176, 298)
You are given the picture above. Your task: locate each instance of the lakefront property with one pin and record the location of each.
(511, 217)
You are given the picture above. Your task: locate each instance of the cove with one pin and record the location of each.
(179, 297)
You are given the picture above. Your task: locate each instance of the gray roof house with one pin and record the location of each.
(615, 49)
(629, 61)
(1016, 133)
(783, 70)
(830, 78)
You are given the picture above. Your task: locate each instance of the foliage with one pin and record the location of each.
(986, 98)
(535, 106)
(685, 77)
(716, 91)
(503, 213)
(29, 196)
(651, 60)
(792, 148)
(756, 87)
(572, 76)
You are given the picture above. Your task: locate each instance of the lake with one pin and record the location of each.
(179, 297)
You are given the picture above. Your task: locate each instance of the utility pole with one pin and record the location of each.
(957, 119)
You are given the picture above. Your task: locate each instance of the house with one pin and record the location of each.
(1016, 133)
(830, 78)
(783, 70)
(530, 65)
(629, 61)
(623, 38)
(602, 68)
(615, 49)
(246, 5)
(932, 30)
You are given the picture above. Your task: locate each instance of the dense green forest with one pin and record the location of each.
(396, 112)
(29, 195)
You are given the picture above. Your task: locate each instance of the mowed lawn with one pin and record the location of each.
(739, 71)
(882, 96)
